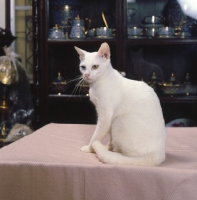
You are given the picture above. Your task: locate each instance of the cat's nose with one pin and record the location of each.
(87, 75)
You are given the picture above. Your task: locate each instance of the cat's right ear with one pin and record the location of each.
(104, 51)
(81, 53)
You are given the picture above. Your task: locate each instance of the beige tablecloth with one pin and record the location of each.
(49, 165)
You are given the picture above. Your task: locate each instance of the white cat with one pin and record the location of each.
(128, 110)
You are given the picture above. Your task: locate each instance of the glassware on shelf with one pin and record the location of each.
(130, 14)
(59, 85)
(187, 79)
(172, 79)
(63, 10)
(77, 28)
(153, 81)
(65, 27)
(56, 33)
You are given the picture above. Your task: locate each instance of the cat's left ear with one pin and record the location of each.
(81, 53)
(104, 51)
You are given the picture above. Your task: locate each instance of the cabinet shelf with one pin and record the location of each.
(67, 97)
(163, 99)
(129, 41)
(162, 41)
(80, 41)
(178, 99)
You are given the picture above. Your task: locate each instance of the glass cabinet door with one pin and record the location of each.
(162, 51)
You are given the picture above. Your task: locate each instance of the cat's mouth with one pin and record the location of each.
(87, 79)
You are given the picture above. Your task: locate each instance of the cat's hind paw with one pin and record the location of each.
(87, 149)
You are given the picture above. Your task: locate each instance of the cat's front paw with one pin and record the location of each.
(87, 149)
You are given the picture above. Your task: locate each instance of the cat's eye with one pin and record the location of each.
(83, 67)
(95, 66)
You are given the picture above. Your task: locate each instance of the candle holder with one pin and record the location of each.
(6, 107)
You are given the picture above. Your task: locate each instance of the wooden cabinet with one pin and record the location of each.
(58, 56)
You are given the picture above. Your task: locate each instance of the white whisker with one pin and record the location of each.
(76, 79)
(78, 85)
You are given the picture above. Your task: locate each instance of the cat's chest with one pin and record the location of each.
(93, 97)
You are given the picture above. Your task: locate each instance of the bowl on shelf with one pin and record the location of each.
(135, 31)
(151, 31)
(166, 31)
(104, 32)
(153, 20)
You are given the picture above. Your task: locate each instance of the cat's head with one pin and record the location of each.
(136, 54)
(95, 65)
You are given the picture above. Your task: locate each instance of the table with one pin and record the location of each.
(48, 164)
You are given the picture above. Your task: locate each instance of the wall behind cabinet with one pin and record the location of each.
(2, 14)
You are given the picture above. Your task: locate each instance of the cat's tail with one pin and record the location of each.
(109, 157)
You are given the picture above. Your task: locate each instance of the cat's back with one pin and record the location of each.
(137, 89)
(126, 89)
(139, 96)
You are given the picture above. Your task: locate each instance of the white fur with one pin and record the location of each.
(128, 110)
